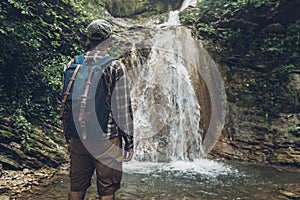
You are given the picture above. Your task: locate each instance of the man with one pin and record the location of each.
(108, 163)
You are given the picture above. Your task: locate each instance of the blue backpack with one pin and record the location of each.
(84, 98)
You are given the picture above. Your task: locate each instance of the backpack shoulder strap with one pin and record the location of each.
(105, 60)
(67, 92)
(81, 117)
(79, 59)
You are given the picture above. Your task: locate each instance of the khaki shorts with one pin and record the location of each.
(108, 167)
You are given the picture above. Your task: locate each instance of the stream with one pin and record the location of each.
(202, 179)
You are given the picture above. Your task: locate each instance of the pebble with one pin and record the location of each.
(4, 197)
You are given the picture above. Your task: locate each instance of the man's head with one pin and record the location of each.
(98, 31)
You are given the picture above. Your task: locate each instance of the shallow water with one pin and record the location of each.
(201, 179)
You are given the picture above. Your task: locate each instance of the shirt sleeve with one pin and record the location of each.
(123, 104)
(69, 63)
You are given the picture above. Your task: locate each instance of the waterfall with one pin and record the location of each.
(174, 15)
(173, 18)
(177, 92)
(188, 3)
(167, 115)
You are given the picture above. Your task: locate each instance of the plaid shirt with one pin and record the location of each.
(120, 122)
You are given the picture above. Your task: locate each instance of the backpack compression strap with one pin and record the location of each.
(67, 93)
(81, 120)
(83, 103)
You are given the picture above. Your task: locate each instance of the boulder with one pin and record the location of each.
(275, 28)
(236, 23)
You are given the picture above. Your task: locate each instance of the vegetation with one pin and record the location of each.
(260, 38)
(37, 39)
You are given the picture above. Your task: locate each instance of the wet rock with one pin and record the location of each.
(292, 191)
(208, 19)
(4, 197)
(275, 28)
(286, 13)
(286, 156)
(227, 149)
(9, 163)
(295, 80)
(43, 150)
(258, 139)
(236, 23)
(289, 194)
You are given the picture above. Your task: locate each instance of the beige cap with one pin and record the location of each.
(99, 29)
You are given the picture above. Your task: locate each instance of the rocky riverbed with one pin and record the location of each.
(23, 183)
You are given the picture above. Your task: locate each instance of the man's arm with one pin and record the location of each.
(124, 113)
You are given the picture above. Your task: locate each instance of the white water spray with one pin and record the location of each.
(167, 117)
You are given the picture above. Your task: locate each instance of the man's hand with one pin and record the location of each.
(68, 148)
(128, 155)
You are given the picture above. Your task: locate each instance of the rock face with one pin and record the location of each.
(43, 151)
(257, 138)
(251, 134)
(263, 121)
(132, 8)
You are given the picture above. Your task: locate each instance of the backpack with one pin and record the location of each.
(84, 98)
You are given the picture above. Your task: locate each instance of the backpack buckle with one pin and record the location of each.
(83, 104)
(82, 124)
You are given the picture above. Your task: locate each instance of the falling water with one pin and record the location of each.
(174, 15)
(188, 3)
(173, 18)
(167, 114)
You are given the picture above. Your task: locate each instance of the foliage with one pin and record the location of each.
(237, 32)
(23, 127)
(37, 39)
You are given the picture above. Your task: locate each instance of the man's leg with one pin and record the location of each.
(109, 170)
(77, 195)
(81, 170)
(110, 197)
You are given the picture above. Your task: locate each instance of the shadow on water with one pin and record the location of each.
(201, 179)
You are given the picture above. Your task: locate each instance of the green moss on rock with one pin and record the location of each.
(137, 8)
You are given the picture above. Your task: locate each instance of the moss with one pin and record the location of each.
(138, 9)
(237, 38)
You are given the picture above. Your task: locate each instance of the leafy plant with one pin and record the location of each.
(37, 39)
(23, 128)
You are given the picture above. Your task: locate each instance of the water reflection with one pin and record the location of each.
(202, 179)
